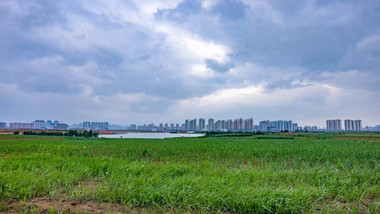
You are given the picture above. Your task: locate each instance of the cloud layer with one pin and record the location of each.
(165, 61)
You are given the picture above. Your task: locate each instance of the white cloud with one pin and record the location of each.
(191, 46)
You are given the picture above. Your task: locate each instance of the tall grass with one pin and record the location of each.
(244, 175)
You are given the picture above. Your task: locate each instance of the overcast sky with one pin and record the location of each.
(165, 61)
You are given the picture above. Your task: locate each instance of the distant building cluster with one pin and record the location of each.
(241, 124)
(219, 125)
(95, 125)
(3, 125)
(278, 126)
(349, 125)
(202, 124)
(211, 124)
(37, 124)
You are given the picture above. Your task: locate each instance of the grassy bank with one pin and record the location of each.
(239, 175)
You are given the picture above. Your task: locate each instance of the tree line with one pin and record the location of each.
(70, 133)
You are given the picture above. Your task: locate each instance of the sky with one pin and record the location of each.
(166, 61)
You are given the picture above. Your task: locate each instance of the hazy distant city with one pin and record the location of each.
(200, 125)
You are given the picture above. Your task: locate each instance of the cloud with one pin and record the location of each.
(230, 10)
(370, 45)
(153, 61)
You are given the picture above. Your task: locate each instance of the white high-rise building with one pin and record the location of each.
(358, 125)
(334, 125)
(264, 125)
(21, 125)
(352, 125)
(349, 125)
(38, 124)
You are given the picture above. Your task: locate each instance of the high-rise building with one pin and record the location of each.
(295, 126)
(133, 127)
(248, 124)
(229, 125)
(264, 125)
(87, 125)
(239, 124)
(99, 125)
(334, 125)
(201, 124)
(187, 125)
(38, 124)
(352, 125)
(150, 127)
(211, 124)
(218, 125)
(20, 125)
(193, 125)
(224, 125)
(282, 125)
(358, 125)
(3, 125)
(95, 125)
(349, 125)
(49, 124)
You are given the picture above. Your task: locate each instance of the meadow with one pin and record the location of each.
(300, 174)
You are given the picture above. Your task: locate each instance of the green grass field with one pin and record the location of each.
(233, 175)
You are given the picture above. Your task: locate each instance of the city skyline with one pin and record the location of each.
(239, 124)
(167, 60)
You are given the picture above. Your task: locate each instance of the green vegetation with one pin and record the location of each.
(71, 133)
(224, 174)
(232, 134)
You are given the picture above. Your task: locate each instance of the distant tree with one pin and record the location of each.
(85, 134)
(16, 132)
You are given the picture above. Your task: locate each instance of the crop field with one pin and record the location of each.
(299, 174)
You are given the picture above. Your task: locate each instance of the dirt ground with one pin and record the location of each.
(46, 205)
